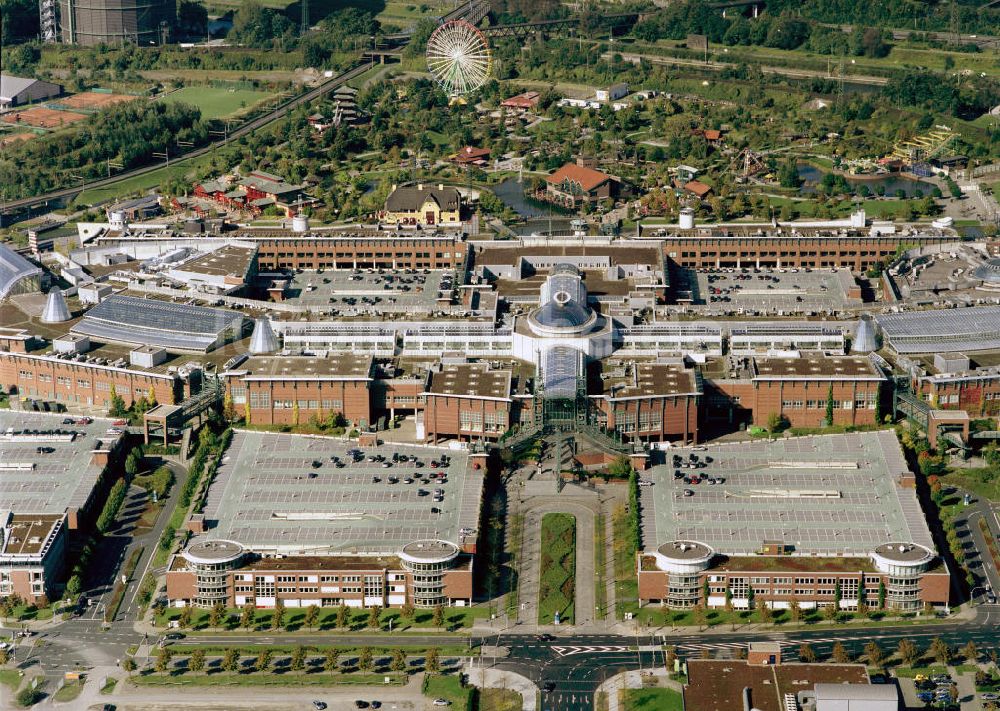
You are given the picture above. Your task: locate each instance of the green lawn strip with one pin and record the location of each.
(266, 679)
(500, 700)
(447, 686)
(137, 184)
(626, 576)
(109, 685)
(11, 678)
(558, 568)
(653, 700)
(600, 567)
(454, 618)
(448, 650)
(69, 691)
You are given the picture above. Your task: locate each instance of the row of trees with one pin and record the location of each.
(276, 619)
(231, 660)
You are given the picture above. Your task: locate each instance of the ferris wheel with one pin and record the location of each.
(458, 57)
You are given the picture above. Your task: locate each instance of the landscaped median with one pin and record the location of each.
(557, 572)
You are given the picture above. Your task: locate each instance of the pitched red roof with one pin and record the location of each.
(698, 188)
(712, 134)
(470, 154)
(526, 100)
(588, 178)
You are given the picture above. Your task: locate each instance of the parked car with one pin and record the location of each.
(319, 705)
(442, 702)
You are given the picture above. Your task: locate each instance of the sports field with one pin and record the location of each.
(217, 102)
(93, 100)
(41, 117)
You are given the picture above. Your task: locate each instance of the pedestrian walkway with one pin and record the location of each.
(491, 678)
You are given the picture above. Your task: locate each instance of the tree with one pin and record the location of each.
(788, 174)
(941, 651)
(777, 422)
(129, 665)
(263, 660)
(217, 614)
(699, 615)
(312, 616)
(298, 661)
(278, 616)
(881, 595)
(192, 18)
(795, 611)
(163, 658)
(258, 26)
(829, 406)
(908, 652)
(73, 586)
(876, 657)
(831, 613)
(764, 613)
(116, 404)
(28, 696)
(407, 610)
(230, 660)
(375, 618)
(330, 660)
(807, 654)
(365, 659)
(248, 616)
(398, 662)
(971, 652)
(840, 654)
(196, 662)
(620, 468)
(185, 619)
(432, 663)
(4, 656)
(343, 616)
(438, 619)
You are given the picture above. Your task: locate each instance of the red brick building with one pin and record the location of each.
(797, 388)
(467, 402)
(291, 390)
(649, 402)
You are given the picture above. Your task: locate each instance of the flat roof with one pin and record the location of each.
(825, 495)
(825, 367)
(332, 290)
(636, 379)
(718, 685)
(51, 482)
(230, 260)
(766, 290)
(268, 496)
(505, 253)
(27, 534)
(470, 380)
(332, 367)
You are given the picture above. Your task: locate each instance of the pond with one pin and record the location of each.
(511, 194)
(811, 175)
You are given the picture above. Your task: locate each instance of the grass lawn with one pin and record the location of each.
(890, 207)
(109, 686)
(653, 700)
(980, 481)
(448, 686)
(69, 691)
(447, 650)
(500, 700)
(140, 183)
(626, 578)
(10, 677)
(557, 590)
(265, 679)
(216, 102)
(600, 566)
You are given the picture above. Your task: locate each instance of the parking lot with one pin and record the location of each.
(310, 495)
(371, 291)
(764, 291)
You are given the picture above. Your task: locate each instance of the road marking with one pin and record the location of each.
(570, 651)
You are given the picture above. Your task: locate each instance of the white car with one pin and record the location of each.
(442, 702)
(645, 482)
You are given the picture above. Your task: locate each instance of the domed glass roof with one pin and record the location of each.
(989, 272)
(562, 315)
